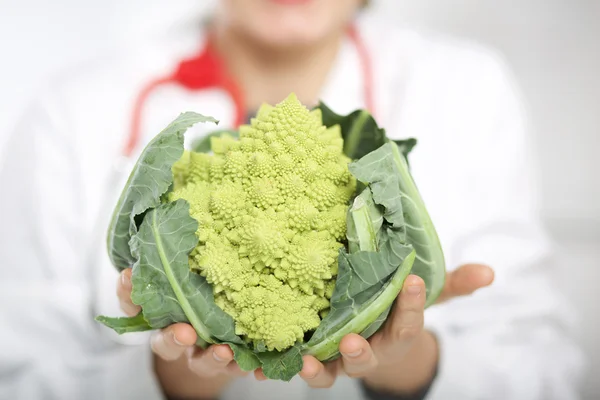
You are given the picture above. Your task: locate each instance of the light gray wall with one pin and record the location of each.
(552, 46)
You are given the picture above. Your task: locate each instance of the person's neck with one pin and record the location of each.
(268, 74)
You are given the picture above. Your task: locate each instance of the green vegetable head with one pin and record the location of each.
(277, 239)
(271, 209)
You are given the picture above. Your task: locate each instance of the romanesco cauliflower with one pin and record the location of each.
(268, 245)
(271, 209)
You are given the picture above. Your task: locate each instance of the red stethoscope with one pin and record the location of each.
(206, 70)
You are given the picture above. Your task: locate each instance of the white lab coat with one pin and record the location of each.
(472, 165)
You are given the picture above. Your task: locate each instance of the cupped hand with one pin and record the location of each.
(178, 340)
(359, 357)
(402, 339)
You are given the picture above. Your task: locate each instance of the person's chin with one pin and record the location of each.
(291, 2)
(282, 39)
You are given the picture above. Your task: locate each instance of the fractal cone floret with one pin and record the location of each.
(271, 210)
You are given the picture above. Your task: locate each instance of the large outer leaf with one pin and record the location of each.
(419, 230)
(162, 281)
(167, 290)
(372, 274)
(370, 279)
(149, 180)
(356, 303)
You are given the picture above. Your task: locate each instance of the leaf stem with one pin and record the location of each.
(200, 328)
(410, 188)
(367, 238)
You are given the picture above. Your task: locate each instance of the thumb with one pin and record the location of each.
(465, 280)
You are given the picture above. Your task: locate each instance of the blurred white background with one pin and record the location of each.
(552, 46)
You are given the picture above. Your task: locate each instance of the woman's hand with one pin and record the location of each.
(402, 357)
(179, 362)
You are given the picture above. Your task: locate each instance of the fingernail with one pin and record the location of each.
(217, 357)
(414, 290)
(354, 353)
(125, 280)
(177, 342)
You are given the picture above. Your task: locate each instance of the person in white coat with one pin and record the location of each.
(473, 164)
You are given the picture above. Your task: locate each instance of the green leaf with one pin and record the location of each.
(359, 130)
(245, 358)
(371, 275)
(387, 173)
(376, 251)
(357, 303)
(162, 281)
(125, 324)
(149, 180)
(378, 170)
(282, 365)
(406, 146)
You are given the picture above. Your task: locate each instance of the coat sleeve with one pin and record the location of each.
(50, 345)
(512, 340)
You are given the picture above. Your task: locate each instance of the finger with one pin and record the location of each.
(407, 317)
(170, 343)
(124, 294)
(315, 374)
(211, 362)
(357, 356)
(465, 280)
(259, 375)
